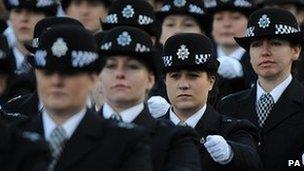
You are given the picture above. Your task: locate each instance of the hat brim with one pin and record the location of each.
(297, 38)
(203, 20)
(245, 11)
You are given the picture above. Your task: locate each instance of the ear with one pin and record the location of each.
(94, 78)
(151, 79)
(295, 50)
(211, 79)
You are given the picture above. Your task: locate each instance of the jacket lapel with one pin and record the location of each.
(247, 103)
(84, 139)
(209, 124)
(146, 120)
(290, 102)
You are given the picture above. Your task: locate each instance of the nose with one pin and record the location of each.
(57, 80)
(183, 84)
(266, 49)
(120, 73)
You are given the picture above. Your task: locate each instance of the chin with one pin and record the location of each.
(185, 105)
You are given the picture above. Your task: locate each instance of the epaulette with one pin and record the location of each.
(126, 125)
(32, 136)
(14, 99)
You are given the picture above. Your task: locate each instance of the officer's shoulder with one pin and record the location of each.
(244, 124)
(18, 100)
(234, 96)
(9, 117)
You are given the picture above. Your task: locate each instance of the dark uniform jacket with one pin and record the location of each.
(99, 144)
(283, 132)
(173, 148)
(26, 104)
(22, 151)
(241, 135)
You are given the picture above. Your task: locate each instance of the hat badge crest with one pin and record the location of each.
(59, 48)
(124, 39)
(128, 11)
(183, 52)
(264, 21)
(179, 3)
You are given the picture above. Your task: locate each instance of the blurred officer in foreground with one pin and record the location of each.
(67, 70)
(20, 104)
(275, 103)
(190, 73)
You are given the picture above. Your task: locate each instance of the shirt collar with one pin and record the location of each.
(127, 115)
(69, 126)
(237, 54)
(192, 120)
(276, 92)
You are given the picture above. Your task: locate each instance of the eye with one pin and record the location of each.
(256, 44)
(110, 65)
(134, 66)
(169, 24)
(174, 75)
(193, 75)
(276, 42)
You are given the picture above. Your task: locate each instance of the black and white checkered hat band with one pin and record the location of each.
(279, 30)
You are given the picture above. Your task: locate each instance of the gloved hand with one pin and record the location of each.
(229, 67)
(158, 106)
(219, 149)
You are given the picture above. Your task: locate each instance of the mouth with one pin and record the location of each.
(184, 95)
(266, 63)
(120, 86)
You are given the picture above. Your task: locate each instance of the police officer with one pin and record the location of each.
(88, 12)
(275, 103)
(190, 68)
(20, 103)
(187, 16)
(229, 20)
(67, 70)
(23, 16)
(128, 74)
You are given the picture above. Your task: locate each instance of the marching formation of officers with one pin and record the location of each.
(135, 85)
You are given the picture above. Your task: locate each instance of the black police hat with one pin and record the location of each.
(66, 3)
(129, 41)
(272, 23)
(135, 13)
(67, 49)
(243, 6)
(49, 7)
(193, 8)
(6, 63)
(47, 23)
(189, 51)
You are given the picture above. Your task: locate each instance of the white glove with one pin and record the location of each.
(229, 67)
(158, 106)
(219, 149)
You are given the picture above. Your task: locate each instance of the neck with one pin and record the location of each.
(184, 114)
(22, 48)
(270, 83)
(228, 49)
(119, 107)
(60, 116)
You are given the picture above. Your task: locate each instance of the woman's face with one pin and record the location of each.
(125, 81)
(174, 24)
